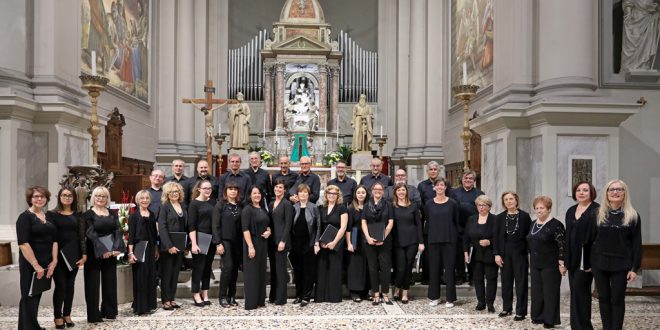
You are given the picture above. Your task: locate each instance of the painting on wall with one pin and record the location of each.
(472, 42)
(116, 34)
(581, 168)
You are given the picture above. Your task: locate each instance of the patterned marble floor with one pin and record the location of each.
(641, 313)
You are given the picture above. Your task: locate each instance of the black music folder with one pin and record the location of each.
(329, 235)
(204, 242)
(377, 230)
(71, 254)
(179, 240)
(140, 250)
(106, 243)
(37, 286)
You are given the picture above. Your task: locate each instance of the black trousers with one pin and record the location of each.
(201, 270)
(545, 295)
(328, 281)
(485, 281)
(379, 263)
(459, 262)
(65, 283)
(231, 260)
(100, 273)
(28, 307)
(404, 257)
(441, 257)
(278, 274)
(170, 265)
(425, 260)
(255, 273)
(303, 261)
(580, 283)
(611, 288)
(516, 269)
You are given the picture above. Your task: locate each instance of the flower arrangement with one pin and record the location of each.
(331, 158)
(267, 157)
(126, 208)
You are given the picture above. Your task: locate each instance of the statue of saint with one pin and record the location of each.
(238, 118)
(363, 125)
(641, 31)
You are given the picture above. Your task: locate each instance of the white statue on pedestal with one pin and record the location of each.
(641, 31)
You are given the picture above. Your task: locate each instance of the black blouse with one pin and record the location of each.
(282, 218)
(442, 221)
(407, 225)
(141, 228)
(200, 216)
(227, 222)
(512, 230)
(255, 220)
(334, 218)
(474, 232)
(103, 225)
(546, 243)
(616, 247)
(70, 229)
(577, 236)
(380, 212)
(354, 225)
(40, 236)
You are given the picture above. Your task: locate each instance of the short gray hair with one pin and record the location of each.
(433, 163)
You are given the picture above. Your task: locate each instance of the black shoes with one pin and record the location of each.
(480, 307)
(224, 303)
(548, 326)
(491, 309)
(537, 322)
(297, 300)
(304, 303)
(519, 317)
(196, 303)
(233, 302)
(504, 313)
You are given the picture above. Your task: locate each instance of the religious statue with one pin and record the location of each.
(313, 116)
(363, 125)
(238, 119)
(641, 31)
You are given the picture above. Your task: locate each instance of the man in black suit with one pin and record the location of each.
(376, 175)
(202, 173)
(260, 178)
(285, 174)
(235, 175)
(346, 184)
(307, 177)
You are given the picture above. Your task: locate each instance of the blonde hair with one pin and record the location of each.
(340, 197)
(168, 188)
(141, 193)
(196, 190)
(483, 199)
(101, 190)
(629, 212)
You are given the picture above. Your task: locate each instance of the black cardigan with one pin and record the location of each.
(516, 242)
(577, 236)
(281, 222)
(473, 235)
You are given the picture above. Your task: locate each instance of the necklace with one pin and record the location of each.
(511, 218)
(233, 209)
(538, 228)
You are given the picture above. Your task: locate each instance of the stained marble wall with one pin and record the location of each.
(529, 157)
(32, 162)
(590, 146)
(493, 172)
(76, 151)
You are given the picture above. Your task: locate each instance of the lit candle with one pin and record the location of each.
(94, 63)
(464, 73)
(219, 128)
(381, 131)
(264, 126)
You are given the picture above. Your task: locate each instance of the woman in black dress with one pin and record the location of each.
(480, 233)
(511, 254)
(329, 259)
(254, 222)
(280, 243)
(200, 220)
(36, 236)
(227, 233)
(304, 245)
(357, 274)
(579, 277)
(379, 253)
(408, 239)
(441, 215)
(101, 267)
(616, 253)
(172, 218)
(142, 228)
(70, 230)
(546, 241)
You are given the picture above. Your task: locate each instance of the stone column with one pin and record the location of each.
(323, 97)
(417, 68)
(166, 66)
(185, 75)
(334, 106)
(279, 91)
(268, 96)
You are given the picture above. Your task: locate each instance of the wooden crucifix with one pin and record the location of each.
(206, 106)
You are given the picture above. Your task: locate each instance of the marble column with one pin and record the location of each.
(323, 97)
(185, 74)
(201, 71)
(268, 96)
(166, 66)
(279, 91)
(417, 68)
(334, 106)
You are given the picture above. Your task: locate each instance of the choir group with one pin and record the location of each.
(369, 236)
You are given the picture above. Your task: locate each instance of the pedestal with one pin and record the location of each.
(361, 161)
(245, 158)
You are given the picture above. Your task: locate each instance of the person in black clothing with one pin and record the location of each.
(172, 218)
(70, 230)
(36, 236)
(237, 178)
(480, 234)
(408, 239)
(200, 220)
(401, 177)
(203, 173)
(156, 179)
(177, 176)
(376, 175)
(546, 241)
(285, 174)
(615, 235)
(511, 254)
(306, 177)
(142, 227)
(101, 268)
(227, 232)
(305, 235)
(357, 272)
(281, 212)
(579, 279)
(441, 215)
(379, 253)
(426, 190)
(465, 195)
(346, 184)
(260, 178)
(330, 257)
(255, 225)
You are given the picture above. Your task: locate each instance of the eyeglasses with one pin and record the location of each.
(399, 175)
(331, 193)
(618, 190)
(305, 163)
(483, 205)
(174, 192)
(100, 196)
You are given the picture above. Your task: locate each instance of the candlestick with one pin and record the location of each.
(93, 63)
(220, 128)
(381, 131)
(464, 73)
